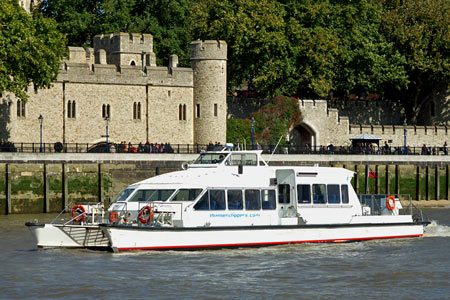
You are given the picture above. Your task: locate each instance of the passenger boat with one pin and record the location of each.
(235, 199)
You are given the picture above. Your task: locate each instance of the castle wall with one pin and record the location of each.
(165, 96)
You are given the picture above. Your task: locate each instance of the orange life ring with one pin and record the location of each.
(78, 213)
(113, 216)
(146, 214)
(390, 202)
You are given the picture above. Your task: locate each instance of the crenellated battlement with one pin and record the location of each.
(209, 50)
(112, 74)
(124, 42)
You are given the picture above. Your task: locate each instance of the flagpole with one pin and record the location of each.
(367, 180)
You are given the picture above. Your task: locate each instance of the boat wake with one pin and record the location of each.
(435, 229)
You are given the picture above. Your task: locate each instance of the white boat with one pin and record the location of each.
(235, 199)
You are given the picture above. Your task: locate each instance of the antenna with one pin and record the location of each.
(274, 150)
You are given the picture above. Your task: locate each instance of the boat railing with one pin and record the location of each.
(159, 215)
(376, 205)
(90, 213)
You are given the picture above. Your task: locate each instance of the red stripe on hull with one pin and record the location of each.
(265, 244)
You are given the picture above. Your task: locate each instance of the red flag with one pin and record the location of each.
(372, 173)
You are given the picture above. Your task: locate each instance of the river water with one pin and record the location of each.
(417, 268)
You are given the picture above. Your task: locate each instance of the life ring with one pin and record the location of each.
(113, 216)
(146, 214)
(390, 202)
(78, 213)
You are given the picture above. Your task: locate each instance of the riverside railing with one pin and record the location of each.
(197, 148)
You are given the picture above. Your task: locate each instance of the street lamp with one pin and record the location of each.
(107, 136)
(253, 133)
(405, 152)
(41, 120)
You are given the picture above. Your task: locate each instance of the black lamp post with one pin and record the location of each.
(253, 133)
(41, 120)
(107, 145)
(405, 151)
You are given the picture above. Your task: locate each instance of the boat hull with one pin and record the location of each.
(124, 238)
(68, 236)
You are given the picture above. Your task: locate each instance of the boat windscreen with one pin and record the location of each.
(186, 194)
(123, 195)
(209, 158)
(148, 195)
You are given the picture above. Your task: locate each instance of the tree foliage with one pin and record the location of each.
(272, 121)
(164, 19)
(31, 49)
(303, 48)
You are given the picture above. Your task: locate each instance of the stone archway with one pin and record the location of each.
(302, 135)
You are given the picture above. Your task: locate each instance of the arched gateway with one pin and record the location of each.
(303, 135)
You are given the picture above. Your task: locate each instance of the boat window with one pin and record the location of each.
(334, 195)
(235, 200)
(203, 203)
(268, 199)
(284, 193)
(304, 193)
(151, 195)
(319, 193)
(245, 159)
(123, 195)
(217, 200)
(210, 158)
(252, 201)
(344, 190)
(186, 194)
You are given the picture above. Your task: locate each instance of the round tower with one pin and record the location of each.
(209, 63)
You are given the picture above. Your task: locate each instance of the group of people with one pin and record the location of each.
(7, 147)
(148, 147)
(434, 150)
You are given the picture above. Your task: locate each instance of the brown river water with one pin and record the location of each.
(417, 268)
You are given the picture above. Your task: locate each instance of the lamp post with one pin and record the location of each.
(41, 120)
(253, 133)
(107, 136)
(405, 152)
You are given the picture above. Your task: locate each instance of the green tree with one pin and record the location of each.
(164, 19)
(31, 49)
(420, 31)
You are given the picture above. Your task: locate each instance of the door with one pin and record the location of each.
(286, 193)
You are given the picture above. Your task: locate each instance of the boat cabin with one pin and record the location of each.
(238, 188)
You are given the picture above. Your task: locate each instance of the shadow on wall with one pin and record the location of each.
(5, 113)
(440, 108)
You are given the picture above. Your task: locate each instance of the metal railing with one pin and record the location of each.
(197, 148)
(377, 203)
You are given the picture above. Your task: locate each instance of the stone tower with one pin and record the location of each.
(209, 64)
(122, 49)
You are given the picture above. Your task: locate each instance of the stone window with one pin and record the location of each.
(215, 109)
(198, 110)
(106, 111)
(20, 108)
(71, 107)
(137, 110)
(168, 93)
(182, 112)
(132, 63)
